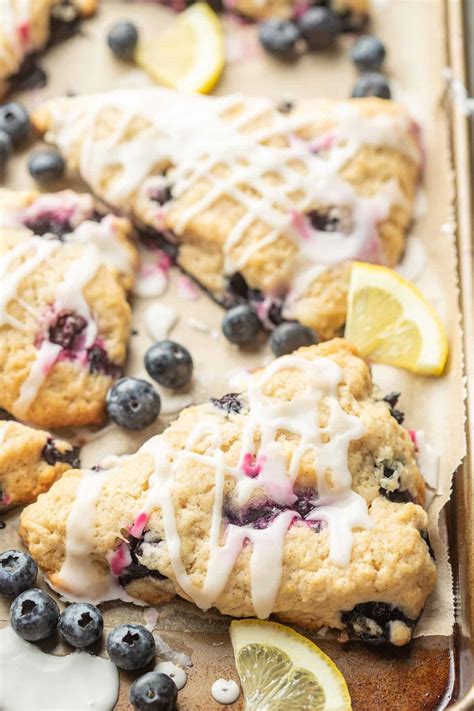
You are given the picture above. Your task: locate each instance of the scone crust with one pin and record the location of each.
(268, 264)
(390, 562)
(70, 394)
(24, 470)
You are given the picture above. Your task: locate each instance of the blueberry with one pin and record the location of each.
(52, 455)
(46, 166)
(241, 325)
(320, 27)
(122, 39)
(368, 53)
(372, 84)
(280, 37)
(133, 403)
(289, 336)
(34, 615)
(5, 149)
(66, 329)
(153, 692)
(15, 122)
(130, 646)
(18, 572)
(169, 363)
(81, 624)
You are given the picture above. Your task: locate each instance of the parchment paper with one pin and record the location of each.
(413, 32)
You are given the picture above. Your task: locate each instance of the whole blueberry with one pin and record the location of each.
(153, 692)
(81, 624)
(241, 325)
(46, 166)
(169, 363)
(18, 572)
(320, 27)
(368, 53)
(130, 646)
(289, 336)
(34, 615)
(133, 403)
(5, 148)
(372, 84)
(280, 37)
(15, 122)
(122, 39)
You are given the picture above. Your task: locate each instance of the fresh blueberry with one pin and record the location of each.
(280, 37)
(15, 122)
(320, 27)
(241, 325)
(34, 615)
(368, 53)
(122, 39)
(289, 336)
(133, 403)
(372, 84)
(46, 166)
(5, 149)
(153, 692)
(81, 624)
(169, 363)
(130, 646)
(18, 572)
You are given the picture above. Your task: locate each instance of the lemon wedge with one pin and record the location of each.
(390, 321)
(189, 55)
(280, 670)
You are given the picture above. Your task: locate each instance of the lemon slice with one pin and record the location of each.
(280, 670)
(390, 320)
(189, 55)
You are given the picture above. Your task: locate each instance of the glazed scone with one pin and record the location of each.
(30, 461)
(353, 13)
(26, 27)
(277, 500)
(64, 323)
(258, 204)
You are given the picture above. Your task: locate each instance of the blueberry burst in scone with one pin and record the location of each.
(65, 268)
(30, 461)
(262, 206)
(270, 501)
(26, 28)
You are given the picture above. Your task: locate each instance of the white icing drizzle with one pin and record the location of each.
(16, 37)
(159, 320)
(80, 576)
(327, 443)
(31, 679)
(201, 142)
(225, 691)
(176, 673)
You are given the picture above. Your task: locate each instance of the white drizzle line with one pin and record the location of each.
(196, 136)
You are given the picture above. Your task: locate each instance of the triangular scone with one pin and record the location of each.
(353, 13)
(26, 26)
(65, 267)
(30, 461)
(300, 497)
(261, 205)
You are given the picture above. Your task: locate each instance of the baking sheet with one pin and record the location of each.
(414, 33)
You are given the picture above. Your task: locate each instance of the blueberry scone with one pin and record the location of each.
(26, 27)
(353, 13)
(65, 267)
(30, 461)
(300, 497)
(259, 203)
